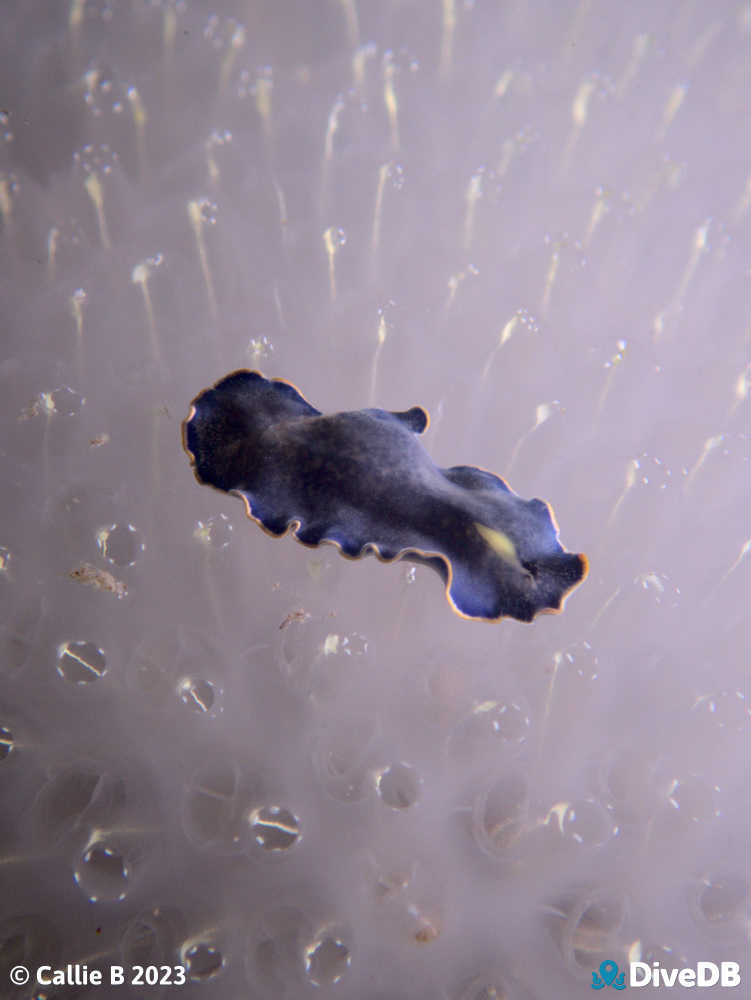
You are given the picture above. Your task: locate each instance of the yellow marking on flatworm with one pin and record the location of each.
(502, 545)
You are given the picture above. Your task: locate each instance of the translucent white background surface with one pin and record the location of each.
(531, 218)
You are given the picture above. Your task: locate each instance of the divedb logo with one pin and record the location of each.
(640, 974)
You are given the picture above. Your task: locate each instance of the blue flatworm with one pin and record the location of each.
(363, 481)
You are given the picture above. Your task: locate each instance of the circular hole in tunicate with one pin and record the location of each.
(333, 668)
(274, 828)
(665, 956)
(341, 759)
(103, 872)
(64, 402)
(196, 694)
(66, 800)
(399, 786)
(202, 961)
(171, 666)
(627, 783)
(656, 589)
(296, 649)
(590, 926)
(19, 635)
(121, 544)
(209, 818)
(211, 812)
(724, 710)
(150, 938)
(27, 940)
(273, 951)
(80, 662)
(576, 674)
(140, 942)
(507, 720)
(490, 722)
(6, 742)
(721, 899)
(327, 958)
(499, 815)
(215, 532)
(587, 822)
(315, 660)
(692, 800)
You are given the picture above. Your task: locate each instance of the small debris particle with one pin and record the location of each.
(92, 576)
(300, 615)
(426, 934)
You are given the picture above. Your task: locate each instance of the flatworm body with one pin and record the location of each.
(363, 481)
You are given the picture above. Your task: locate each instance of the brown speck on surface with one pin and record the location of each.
(300, 615)
(426, 934)
(99, 440)
(92, 576)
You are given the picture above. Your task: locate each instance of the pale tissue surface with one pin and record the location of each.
(531, 218)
